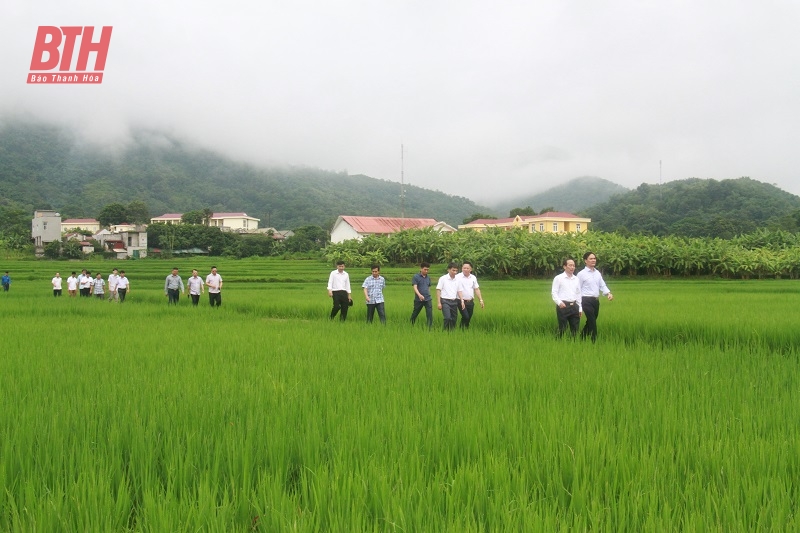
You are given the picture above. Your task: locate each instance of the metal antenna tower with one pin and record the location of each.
(402, 189)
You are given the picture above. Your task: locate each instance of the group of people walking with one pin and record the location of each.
(455, 294)
(87, 285)
(575, 295)
(118, 285)
(174, 287)
(579, 294)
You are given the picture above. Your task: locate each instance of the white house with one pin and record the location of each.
(131, 242)
(45, 227)
(224, 221)
(118, 228)
(234, 221)
(349, 227)
(167, 218)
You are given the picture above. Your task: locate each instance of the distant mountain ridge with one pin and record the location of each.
(45, 166)
(572, 196)
(698, 208)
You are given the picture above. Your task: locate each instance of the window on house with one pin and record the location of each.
(555, 226)
(541, 226)
(578, 226)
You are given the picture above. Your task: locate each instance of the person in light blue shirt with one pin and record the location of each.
(173, 287)
(373, 292)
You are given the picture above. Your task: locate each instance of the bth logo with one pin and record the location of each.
(48, 53)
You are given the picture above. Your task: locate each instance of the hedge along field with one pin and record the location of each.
(264, 416)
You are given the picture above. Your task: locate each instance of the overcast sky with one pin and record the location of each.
(490, 99)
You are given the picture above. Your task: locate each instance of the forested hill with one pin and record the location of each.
(698, 208)
(572, 196)
(43, 166)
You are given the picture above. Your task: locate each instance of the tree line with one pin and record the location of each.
(698, 208)
(517, 253)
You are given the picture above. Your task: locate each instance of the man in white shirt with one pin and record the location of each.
(123, 286)
(469, 290)
(448, 296)
(339, 291)
(592, 285)
(566, 294)
(72, 285)
(195, 285)
(85, 283)
(112, 285)
(57, 285)
(214, 284)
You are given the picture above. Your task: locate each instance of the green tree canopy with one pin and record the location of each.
(137, 212)
(115, 213)
(522, 211)
(477, 216)
(306, 239)
(192, 217)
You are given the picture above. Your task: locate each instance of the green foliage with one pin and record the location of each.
(137, 213)
(698, 208)
(52, 250)
(41, 165)
(256, 246)
(307, 239)
(193, 217)
(263, 415)
(499, 253)
(170, 237)
(573, 196)
(478, 216)
(71, 249)
(115, 213)
(522, 211)
(15, 227)
(207, 214)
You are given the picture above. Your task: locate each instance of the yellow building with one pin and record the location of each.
(88, 224)
(552, 222)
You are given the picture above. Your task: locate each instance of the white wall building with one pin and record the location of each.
(45, 227)
(354, 227)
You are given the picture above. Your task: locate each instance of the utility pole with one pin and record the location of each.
(402, 189)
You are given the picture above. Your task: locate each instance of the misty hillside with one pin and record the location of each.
(573, 196)
(698, 208)
(43, 166)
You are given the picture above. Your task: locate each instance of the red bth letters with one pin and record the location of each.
(48, 53)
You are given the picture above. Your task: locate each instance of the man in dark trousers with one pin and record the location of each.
(339, 291)
(422, 294)
(592, 285)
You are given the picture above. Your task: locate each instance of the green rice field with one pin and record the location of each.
(263, 415)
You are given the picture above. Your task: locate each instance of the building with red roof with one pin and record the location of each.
(349, 227)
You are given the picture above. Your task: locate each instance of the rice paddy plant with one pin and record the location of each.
(265, 416)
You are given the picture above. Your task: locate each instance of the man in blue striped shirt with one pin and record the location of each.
(373, 292)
